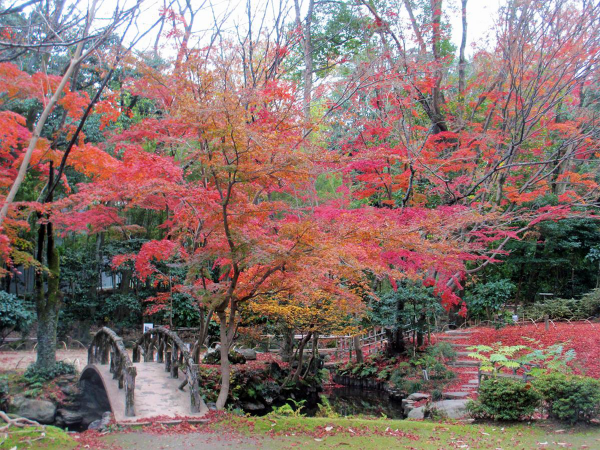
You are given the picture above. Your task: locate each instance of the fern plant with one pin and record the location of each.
(496, 357)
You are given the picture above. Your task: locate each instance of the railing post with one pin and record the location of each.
(104, 351)
(91, 359)
(136, 353)
(174, 358)
(167, 361)
(160, 350)
(112, 362)
(130, 374)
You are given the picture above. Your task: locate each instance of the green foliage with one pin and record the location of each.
(15, 314)
(434, 360)
(484, 300)
(573, 309)
(554, 358)
(411, 308)
(325, 409)
(557, 257)
(504, 399)
(4, 391)
(569, 397)
(496, 357)
(293, 408)
(34, 375)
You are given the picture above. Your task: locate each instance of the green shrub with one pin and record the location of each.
(504, 399)
(34, 374)
(568, 308)
(569, 397)
(15, 314)
(484, 300)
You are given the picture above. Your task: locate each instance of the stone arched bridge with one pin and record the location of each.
(160, 379)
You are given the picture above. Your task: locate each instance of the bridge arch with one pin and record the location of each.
(173, 352)
(95, 392)
(108, 348)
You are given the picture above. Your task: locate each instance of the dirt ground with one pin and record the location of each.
(19, 360)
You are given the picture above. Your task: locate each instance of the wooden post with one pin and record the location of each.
(160, 351)
(547, 322)
(91, 359)
(130, 375)
(174, 355)
(104, 353)
(193, 384)
(167, 361)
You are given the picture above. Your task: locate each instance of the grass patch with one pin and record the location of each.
(48, 438)
(351, 433)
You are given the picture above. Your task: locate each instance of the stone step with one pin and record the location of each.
(459, 332)
(456, 345)
(452, 337)
(465, 354)
(465, 363)
(455, 395)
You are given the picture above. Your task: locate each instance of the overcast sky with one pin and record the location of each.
(480, 15)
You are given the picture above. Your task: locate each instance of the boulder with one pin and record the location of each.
(101, 424)
(252, 406)
(69, 418)
(213, 356)
(418, 396)
(41, 411)
(247, 353)
(70, 390)
(452, 409)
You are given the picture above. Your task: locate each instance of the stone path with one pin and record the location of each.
(156, 393)
(457, 338)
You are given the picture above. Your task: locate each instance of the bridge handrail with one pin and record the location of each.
(161, 339)
(108, 347)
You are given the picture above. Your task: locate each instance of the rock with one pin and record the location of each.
(95, 425)
(69, 418)
(247, 353)
(418, 396)
(212, 406)
(275, 370)
(452, 409)
(41, 411)
(455, 395)
(70, 390)
(252, 406)
(213, 356)
(101, 424)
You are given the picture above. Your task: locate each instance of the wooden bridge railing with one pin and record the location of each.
(168, 348)
(107, 347)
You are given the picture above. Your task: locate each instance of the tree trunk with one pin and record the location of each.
(463, 44)
(396, 345)
(287, 352)
(47, 303)
(225, 366)
(296, 377)
(357, 349)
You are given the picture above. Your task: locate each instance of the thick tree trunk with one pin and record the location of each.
(225, 366)
(47, 301)
(287, 351)
(357, 349)
(396, 345)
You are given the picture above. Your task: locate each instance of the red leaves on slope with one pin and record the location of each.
(583, 337)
